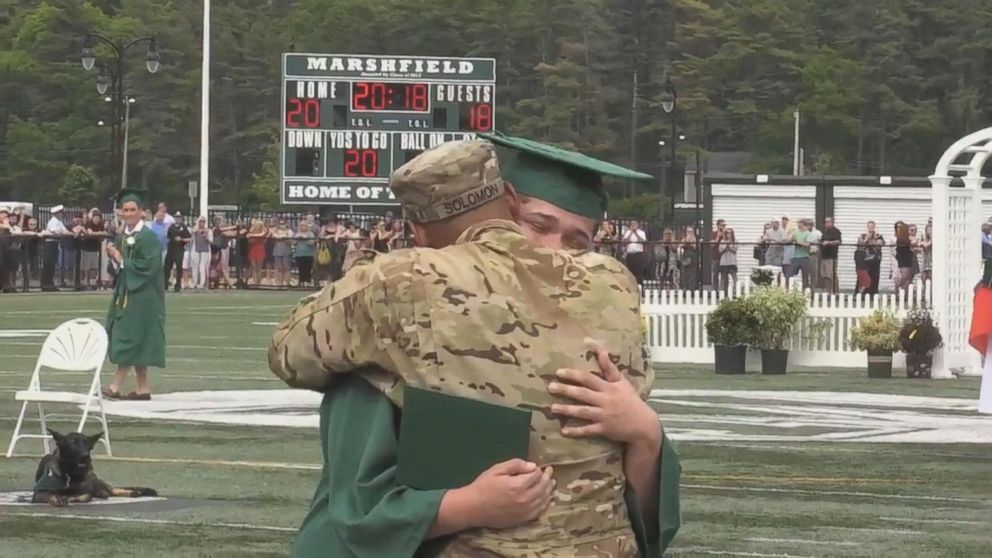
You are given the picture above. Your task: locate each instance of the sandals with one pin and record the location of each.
(118, 396)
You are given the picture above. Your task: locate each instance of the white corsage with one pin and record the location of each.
(129, 241)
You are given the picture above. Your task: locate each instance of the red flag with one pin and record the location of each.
(981, 319)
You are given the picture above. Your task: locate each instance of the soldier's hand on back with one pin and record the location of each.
(511, 493)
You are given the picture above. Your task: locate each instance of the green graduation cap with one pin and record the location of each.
(130, 195)
(568, 179)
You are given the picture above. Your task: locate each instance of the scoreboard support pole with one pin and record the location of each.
(205, 115)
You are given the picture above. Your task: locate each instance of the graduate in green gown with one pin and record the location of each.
(360, 510)
(136, 319)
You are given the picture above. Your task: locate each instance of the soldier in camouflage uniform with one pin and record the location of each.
(532, 311)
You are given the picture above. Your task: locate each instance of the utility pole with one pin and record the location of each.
(205, 113)
(796, 163)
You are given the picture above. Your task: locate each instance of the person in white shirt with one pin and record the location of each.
(815, 237)
(54, 230)
(633, 242)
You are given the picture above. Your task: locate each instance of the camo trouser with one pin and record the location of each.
(614, 547)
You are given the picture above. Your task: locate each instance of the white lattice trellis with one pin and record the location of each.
(957, 248)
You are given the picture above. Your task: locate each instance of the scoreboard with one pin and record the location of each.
(349, 120)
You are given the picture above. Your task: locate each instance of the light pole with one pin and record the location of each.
(111, 77)
(669, 104)
(127, 102)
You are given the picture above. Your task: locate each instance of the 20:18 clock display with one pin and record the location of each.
(376, 95)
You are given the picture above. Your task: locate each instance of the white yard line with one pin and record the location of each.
(233, 375)
(832, 493)
(834, 448)
(801, 541)
(265, 323)
(20, 333)
(116, 519)
(62, 312)
(709, 552)
(244, 307)
(951, 521)
(216, 348)
(225, 359)
(872, 530)
(211, 462)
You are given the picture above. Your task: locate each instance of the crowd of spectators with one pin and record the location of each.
(292, 250)
(794, 248)
(282, 251)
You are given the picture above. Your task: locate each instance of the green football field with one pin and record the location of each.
(816, 463)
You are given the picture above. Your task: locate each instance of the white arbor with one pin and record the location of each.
(957, 249)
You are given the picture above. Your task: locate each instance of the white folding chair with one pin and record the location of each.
(75, 346)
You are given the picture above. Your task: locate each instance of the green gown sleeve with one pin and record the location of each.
(142, 262)
(358, 510)
(653, 540)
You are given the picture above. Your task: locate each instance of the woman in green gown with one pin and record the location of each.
(136, 320)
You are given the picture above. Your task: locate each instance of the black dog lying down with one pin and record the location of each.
(66, 475)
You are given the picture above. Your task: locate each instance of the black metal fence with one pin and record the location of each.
(250, 257)
(247, 260)
(53, 263)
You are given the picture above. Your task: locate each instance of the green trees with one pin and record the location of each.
(882, 86)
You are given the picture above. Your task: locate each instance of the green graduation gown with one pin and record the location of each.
(359, 510)
(136, 320)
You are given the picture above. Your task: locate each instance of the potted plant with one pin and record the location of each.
(918, 337)
(762, 277)
(878, 334)
(776, 311)
(729, 327)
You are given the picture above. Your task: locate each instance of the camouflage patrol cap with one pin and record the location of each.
(452, 178)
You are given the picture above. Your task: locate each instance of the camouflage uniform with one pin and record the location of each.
(491, 318)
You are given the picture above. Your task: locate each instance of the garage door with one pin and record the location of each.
(747, 207)
(854, 206)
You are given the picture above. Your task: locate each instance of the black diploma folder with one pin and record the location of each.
(447, 441)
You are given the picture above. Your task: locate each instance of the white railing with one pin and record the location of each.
(676, 323)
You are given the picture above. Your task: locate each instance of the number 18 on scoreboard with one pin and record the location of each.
(350, 120)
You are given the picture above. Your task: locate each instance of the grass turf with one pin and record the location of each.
(738, 498)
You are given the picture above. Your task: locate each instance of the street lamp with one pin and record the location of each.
(102, 82)
(152, 61)
(89, 57)
(110, 82)
(668, 98)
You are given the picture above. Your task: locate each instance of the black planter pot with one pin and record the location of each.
(729, 359)
(879, 364)
(774, 362)
(919, 366)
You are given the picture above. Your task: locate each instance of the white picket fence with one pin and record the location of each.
(676, 324)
